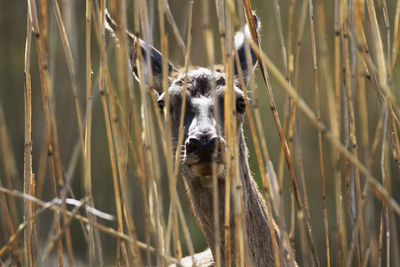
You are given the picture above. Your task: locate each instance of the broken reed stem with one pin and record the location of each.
(53, 207)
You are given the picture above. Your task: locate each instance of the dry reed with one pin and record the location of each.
(348, 56)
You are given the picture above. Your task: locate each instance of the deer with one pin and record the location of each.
(204, 143)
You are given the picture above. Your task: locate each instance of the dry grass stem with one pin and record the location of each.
(95, 139)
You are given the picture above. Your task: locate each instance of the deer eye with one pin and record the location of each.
(220, 81)
(240, 105)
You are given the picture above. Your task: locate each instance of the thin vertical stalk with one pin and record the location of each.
(336, 132)
(9, 225)
(28, 182)
(384, 219)
(277, 11)
(293, 127)
(7, 155)
(396, 37)
(41, 36)
(240, 220)
(209, 46)
(354, 174)
(71, 65)
(318, 113)
(380, 58)
(146, 126)
(113, 163)
(121, 134)
(111, 148)
(386, 183)
(88, 131)
(181, 129)
(168, 131)
(227, 108)
(172, 22)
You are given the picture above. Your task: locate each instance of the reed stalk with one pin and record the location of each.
(334, 200)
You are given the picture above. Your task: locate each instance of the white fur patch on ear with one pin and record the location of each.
(239, 36)
(239, 39)
(245, 64)
(245, 32)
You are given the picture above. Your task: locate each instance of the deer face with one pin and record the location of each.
(204, 133)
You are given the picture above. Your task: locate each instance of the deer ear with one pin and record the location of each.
(151, 58)
(241, 51)
(151, 65)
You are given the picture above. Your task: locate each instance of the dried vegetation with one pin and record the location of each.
(96, 182)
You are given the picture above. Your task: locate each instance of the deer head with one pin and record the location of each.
(204, 114)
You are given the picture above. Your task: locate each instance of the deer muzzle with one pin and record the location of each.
(202, 151)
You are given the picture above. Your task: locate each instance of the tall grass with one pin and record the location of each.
(88, 174)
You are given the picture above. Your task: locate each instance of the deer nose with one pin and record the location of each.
(203, 146)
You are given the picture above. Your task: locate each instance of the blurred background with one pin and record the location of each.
(13, 29)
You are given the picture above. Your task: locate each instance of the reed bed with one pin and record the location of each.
(88, 172)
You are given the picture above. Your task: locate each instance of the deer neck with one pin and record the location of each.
(259, 240)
